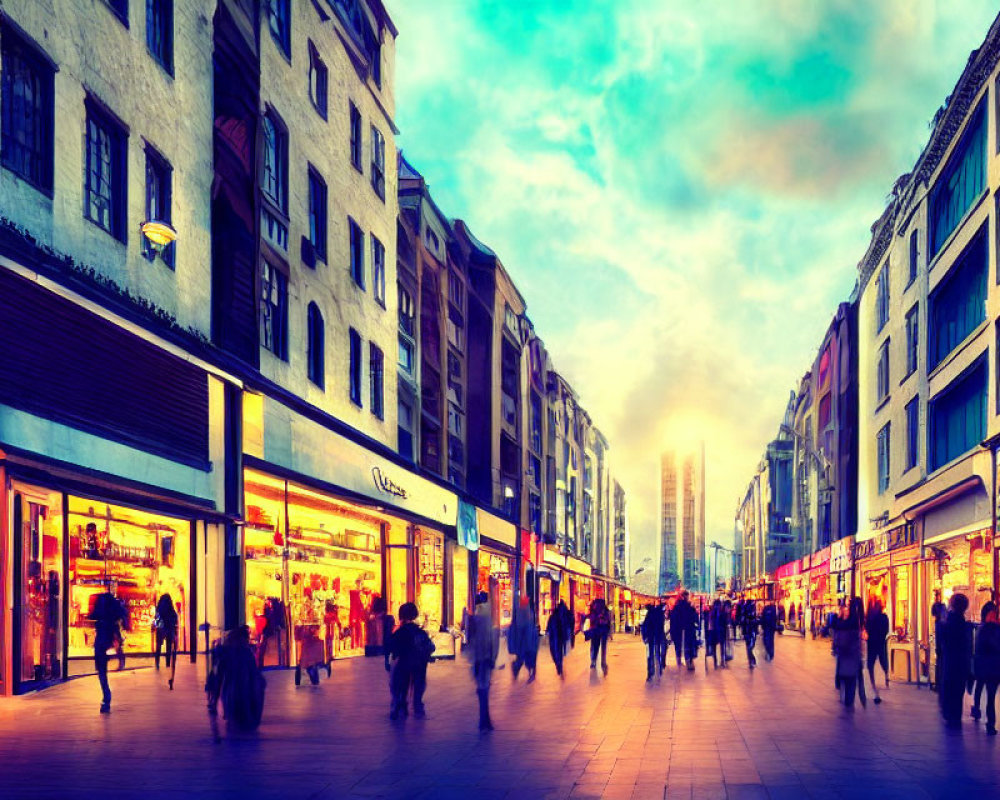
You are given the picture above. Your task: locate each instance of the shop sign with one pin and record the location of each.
(467, 526)
(496, 528)
(788, 570)
(307, 448)
(821, 562)
(385, 484)
(841, 554)
(902, 536)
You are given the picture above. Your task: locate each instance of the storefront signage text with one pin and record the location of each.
(903, 536)
(387, 485)
(841, 553)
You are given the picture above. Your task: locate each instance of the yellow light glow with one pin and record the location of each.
(159, 233)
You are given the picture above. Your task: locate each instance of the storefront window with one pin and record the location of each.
(430, 579)
(544, 601)
(980, 574)
(495, 578)
(325, 572)
(38, 523)
(398, 574)
(138, 555)
(459, 583)
(901, 602)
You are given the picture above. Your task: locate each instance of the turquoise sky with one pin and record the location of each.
(681, 190)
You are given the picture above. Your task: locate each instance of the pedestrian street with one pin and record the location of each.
(775, 732)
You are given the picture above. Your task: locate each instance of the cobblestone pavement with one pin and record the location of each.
(776, 732)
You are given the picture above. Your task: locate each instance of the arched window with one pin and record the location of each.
(315, 337)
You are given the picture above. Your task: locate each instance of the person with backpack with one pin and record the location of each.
(598, 632)
(410, 649)
(165, 623)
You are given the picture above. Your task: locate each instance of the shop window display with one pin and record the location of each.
(139, 556)
(544, 601)
(38, 522)
(312, 562)
(430, 579)
(398, 572)
(494, 577)
(901, 603)
(459, 583)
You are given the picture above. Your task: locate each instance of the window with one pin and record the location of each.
(355, 367)
(509, 366)
(27, 100)
(456, 330)
(274, 181)
(883, 459)
(105, 181)
(456, 391)
(882, 297)
(912, 339)
(958, 416)
(914, 254)
(273, 310)
(160, 32)
(883, 371)
(357, 253)
(317, 214)
(158, 187)
(120, 8)
(455, 421)
(536, 422)
(404, 427)
(376, 366)
(378, 162)
(315, 335)
(279, 21)
(407, 319)
(961, 183)
(378, 270)
(912, 432)
(456, 291)
(430, 446)
(318, 78)
(958, 304)
(406, 355)
(356, 137)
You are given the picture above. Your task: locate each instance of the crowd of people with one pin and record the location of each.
(968, 660)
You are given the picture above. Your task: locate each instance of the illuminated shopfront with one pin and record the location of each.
(819, 586)
(495, 578)
(71, 549)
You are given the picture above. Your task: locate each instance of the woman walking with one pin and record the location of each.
(956, 660)
(987, 666)
(599, 633)
(482, 651)
(847, 640)
(165, 622)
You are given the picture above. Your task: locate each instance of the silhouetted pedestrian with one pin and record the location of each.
(956, 659)
(410, 649)
(165, 624)
(655, 636)
(559, 631)
(522, 640)
(768, 628)
(107, 615)
(240, 681)
(482, 651)
(599, 632)
(987, 666)
(684, 629)
(747, 614)
(877, 632)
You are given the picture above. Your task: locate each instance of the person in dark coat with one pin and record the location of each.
(107, 616)
(241, 685)
(522, 640)
(847, 642)
(684, 629)
(768, 627)
(938, 613)
(877, 632)
(482, 651)
(748, 623)
(956, 659)
(410, 649)
(559, 631)
(654, 635)
(165, 621)
(599, 632)
(986, 664)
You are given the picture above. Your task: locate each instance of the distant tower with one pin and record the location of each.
(682, 519)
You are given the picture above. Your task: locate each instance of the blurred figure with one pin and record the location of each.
(482, 651)
(311, 654)
(655, 636)
(522, 640)
(747, 613)
(877, 632)
(107, 615)
(684, 629)
(847, 641)
(411, 650)
(165, 623)
(768, 627)
(559, 632)
(956, 659)
(241, 685)
(599, 632)
(986, 664)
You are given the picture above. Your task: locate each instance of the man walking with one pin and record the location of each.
(655, 637)
(559, 630)
(768, 627)
(877, 631)
(748, 622)
(107, 615)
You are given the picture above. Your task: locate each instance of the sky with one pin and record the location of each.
(681, 191)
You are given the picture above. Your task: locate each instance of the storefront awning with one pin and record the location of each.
(497, 529)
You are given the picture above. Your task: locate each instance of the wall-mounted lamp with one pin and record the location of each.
(508, 492)
(158, 234)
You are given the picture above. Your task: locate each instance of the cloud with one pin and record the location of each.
(681, 191)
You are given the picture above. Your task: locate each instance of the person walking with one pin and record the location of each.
(938, 613)
(165, 622)
(559, 631)
(956, 660)
(107, 615)
(847, 641)
(599, 632)
(768, 628)
(986, 664)
(522, 640)
(748, 623)
(410, 649)
(655, 637)
(684, 629)
(482, 651)
(877, 634)
(712, 632)
(241, 684)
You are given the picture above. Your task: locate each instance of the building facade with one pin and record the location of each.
(682, 532)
